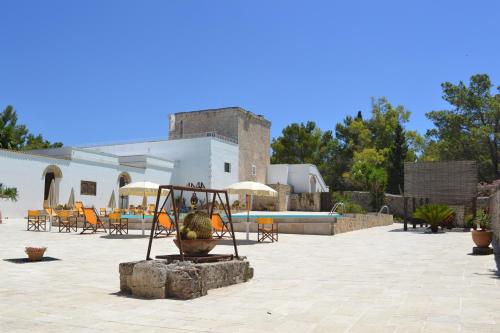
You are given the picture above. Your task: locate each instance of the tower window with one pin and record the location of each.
(227, 167)
(254, 170)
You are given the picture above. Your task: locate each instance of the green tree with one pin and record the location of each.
(12, 135)
(384, 121)
(368, 173)
(396, 159)
(17, 137)
(306, 143)
(471, 129)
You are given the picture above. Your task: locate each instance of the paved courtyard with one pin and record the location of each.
(375, 280)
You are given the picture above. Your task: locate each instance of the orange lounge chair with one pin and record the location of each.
(219, 226)
(266, 229)
(92, 221)
(36, 221)
(117, 224)
(164, 225)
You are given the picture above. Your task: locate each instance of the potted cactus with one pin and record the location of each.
(483, 236)
(196, 234)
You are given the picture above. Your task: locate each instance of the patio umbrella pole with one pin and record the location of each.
(248, 216)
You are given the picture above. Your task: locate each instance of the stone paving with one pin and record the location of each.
(373, 280)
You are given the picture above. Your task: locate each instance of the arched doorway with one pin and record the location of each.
(312, 184)
(51, 174)
(123, 179)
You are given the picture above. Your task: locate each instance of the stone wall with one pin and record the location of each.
(308, 202)
(182, 280)
(250, 131)
(278, 203)
(361, 221)
(396, 204)
(328, 226)
(254, 139)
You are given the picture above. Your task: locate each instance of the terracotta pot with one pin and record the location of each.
(35, 253)
(482, 238)
(196, 247)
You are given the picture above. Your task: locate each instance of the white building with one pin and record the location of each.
(188, 156)
(93, 176)
(304, 178)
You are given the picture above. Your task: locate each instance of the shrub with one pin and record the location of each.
(433, 214)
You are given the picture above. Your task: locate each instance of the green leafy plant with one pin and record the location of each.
(469, 221)
(9, 193)
(483, 219)
(349, 206)
(433, 214)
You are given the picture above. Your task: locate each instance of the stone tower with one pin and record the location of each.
(250, 131)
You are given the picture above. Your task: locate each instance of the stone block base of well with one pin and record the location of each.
(181, 280)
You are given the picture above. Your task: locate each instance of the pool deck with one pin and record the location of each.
(373, 280)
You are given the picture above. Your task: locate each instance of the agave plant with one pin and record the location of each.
(433, 214)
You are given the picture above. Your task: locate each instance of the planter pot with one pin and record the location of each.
(434, 228)
(35, 253)
(482, 238)
(196, 247)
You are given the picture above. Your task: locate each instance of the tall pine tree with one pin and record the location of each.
(397, 157)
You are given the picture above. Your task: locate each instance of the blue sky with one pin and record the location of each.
(102, 71)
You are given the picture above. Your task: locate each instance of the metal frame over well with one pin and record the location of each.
(172, 191)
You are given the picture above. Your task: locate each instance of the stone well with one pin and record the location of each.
(181, 280)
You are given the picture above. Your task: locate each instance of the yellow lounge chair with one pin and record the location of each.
(266, 229)
(36, 221)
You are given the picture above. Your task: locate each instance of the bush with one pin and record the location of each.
(350, 206)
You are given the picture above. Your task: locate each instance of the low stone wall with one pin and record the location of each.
(331, 226)
(182, 280)
(361, 221)
(278, 203)
(305, 202)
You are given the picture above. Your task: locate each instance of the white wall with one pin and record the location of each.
(277, 173)
(26, 173)
(196, 159)
(296, 175)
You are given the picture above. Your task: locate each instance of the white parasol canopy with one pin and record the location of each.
(141, 189)
(251, 188)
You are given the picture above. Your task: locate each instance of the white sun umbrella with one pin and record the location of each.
(112, 201)
(51, 201)
(250, 189)
(71, 200)
(144, 190)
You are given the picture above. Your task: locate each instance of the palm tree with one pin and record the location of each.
(433, 214)
(8, 193)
